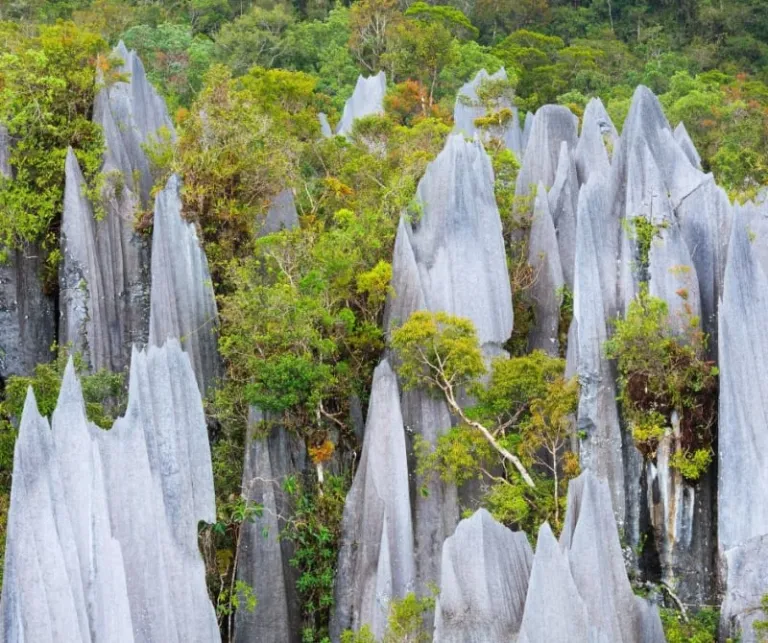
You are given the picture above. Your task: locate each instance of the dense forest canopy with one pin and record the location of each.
(302, 309)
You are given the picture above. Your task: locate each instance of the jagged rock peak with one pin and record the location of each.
(563, 204)
(376, 557)
(182, 303)
(684, 141)
(552, 125)
(132, 114)
(468, 109)
(102, 279)
(578, 589)
(367, 99)
(102, 531)
(547, 290)
(596, 142)
(484, 581)
(456, 247)
(646, 125)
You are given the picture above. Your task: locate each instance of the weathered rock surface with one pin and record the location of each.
(366, 100)
(547, 290)
(456, 245)
(594, 306)
(102, 538)
(468, 108)
(27, 317)
(684, 141)
(282, 214)
(579, 590)
(596, 142)
(106, 259)
(376, 559)
(743, 417)
(563, 204)
(264, 558)
(552, 125)
(746, 581)
(27, 323)
(182, 303)
(325, 126)
(484, 581)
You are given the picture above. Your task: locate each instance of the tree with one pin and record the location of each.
(47, 88)
(522, 415)
(256, 38)
(371, 23)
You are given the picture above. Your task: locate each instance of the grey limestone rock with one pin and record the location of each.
(746, 580)
(27, 317)
(107, 260)
(704, 218)
(366, 100)
(594, 306)
(554, 610)
(102, 537)
(456, 246)
(27, 324)
(743, 415)
(5, 153)
(579, 590)
(484, 582)
(546, 292)
(527, 127)
(552, 125)
(182, 303)
(325, 126)
(282, 214)
(684, 141)
(263, 557)
(376, 557)
(563, 204)
(132, 114)
(597, 141)
(468, 108)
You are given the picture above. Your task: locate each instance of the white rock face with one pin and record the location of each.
(376, 562)
(552, 125)
(282, 214)
(578, 589)
(104, 276)
(366, 100)
(547, 291)
(685, 142)
(484, 582)
(563, 204)
(456, 246)
(182, 303)
(102, 538)
(596, 142)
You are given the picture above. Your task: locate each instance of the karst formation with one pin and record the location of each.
(102, 535)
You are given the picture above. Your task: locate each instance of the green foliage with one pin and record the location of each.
(405, 623)
(434, 348)
(175, 59)
(760, 626)
(661, 373)
(700, 628)
(314, 528)
(47, 88)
